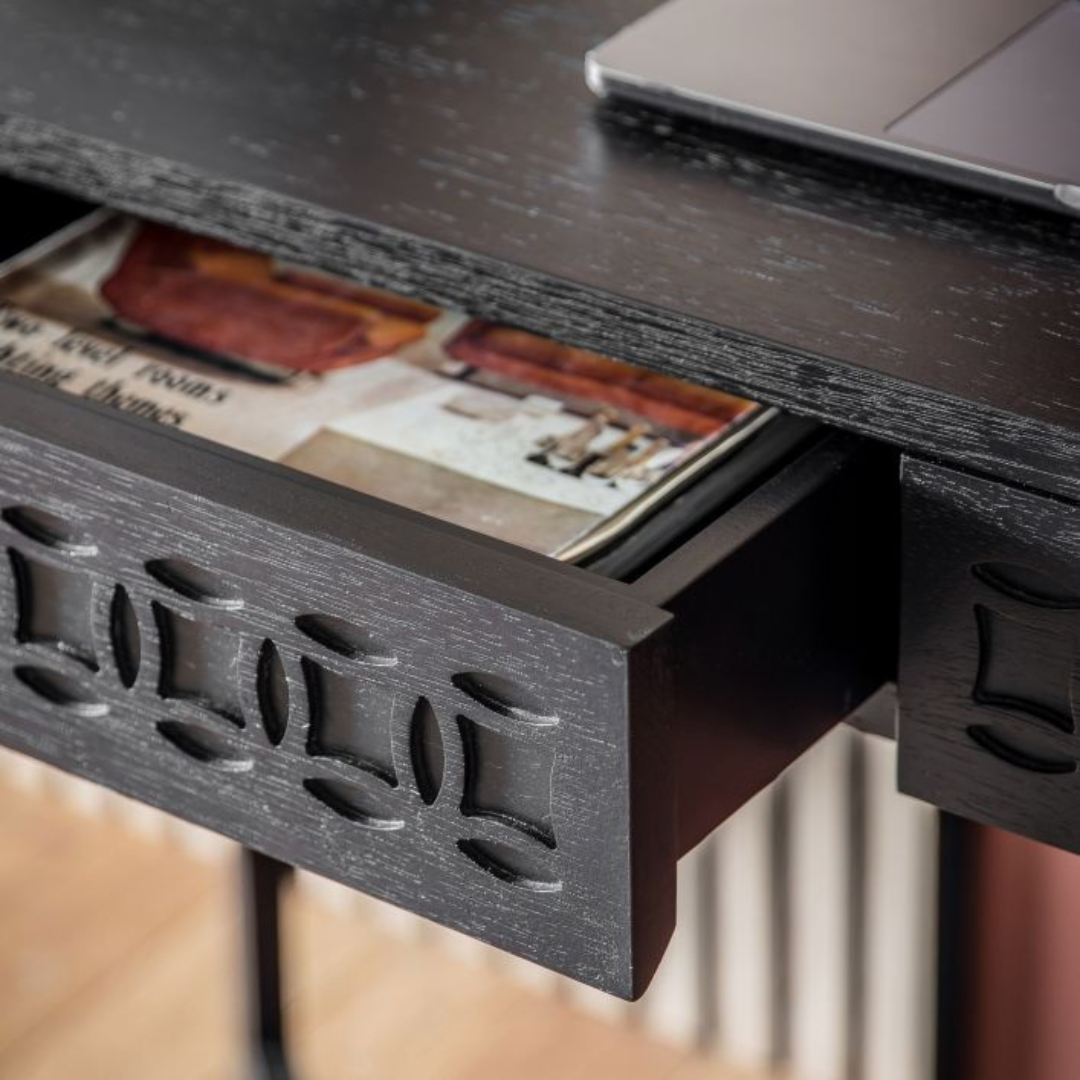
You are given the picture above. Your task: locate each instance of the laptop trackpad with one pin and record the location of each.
(1018, 107)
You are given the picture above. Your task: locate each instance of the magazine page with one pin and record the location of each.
(483, 425)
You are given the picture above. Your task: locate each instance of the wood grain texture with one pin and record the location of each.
(485, 737)
(280, 685)
(452, 151)
(990, 653)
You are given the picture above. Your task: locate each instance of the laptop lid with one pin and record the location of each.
(982, 90)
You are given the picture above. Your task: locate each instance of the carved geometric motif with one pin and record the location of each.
(179, 635)
(507, 782)
(55, 608)
(989, 679)
(1035, 707)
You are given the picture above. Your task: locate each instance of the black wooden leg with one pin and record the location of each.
(261, 879)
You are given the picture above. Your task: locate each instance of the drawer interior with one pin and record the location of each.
(548, 447)
(513, 746)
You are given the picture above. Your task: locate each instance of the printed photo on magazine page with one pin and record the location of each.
(483, 425)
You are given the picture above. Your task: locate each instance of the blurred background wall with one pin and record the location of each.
(806, 944)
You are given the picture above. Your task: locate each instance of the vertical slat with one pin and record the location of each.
(859, 840)
(525, 973)
(594, 1003)
(901, 938)
(467, 950)
(676, 1007)
(708, 943)
(821, 909)
(781, 901)
(746, 935)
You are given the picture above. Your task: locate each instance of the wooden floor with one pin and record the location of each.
(116, 962)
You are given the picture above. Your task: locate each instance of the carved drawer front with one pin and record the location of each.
(990, 661)
(510, 746)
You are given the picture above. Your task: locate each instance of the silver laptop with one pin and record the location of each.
(982, 92)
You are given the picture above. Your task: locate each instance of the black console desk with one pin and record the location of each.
(452, 151)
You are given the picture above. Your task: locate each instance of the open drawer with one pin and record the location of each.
(510, 745)
(514, 747)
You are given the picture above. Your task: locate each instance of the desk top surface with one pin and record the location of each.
(451, 149)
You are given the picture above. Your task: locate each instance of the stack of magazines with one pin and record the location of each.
(548, 447)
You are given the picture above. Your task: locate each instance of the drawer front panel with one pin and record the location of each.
(469, 761)
(990, 655)
(515, 748)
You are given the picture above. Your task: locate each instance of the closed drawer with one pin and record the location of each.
(990, 653)
(515, 747)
